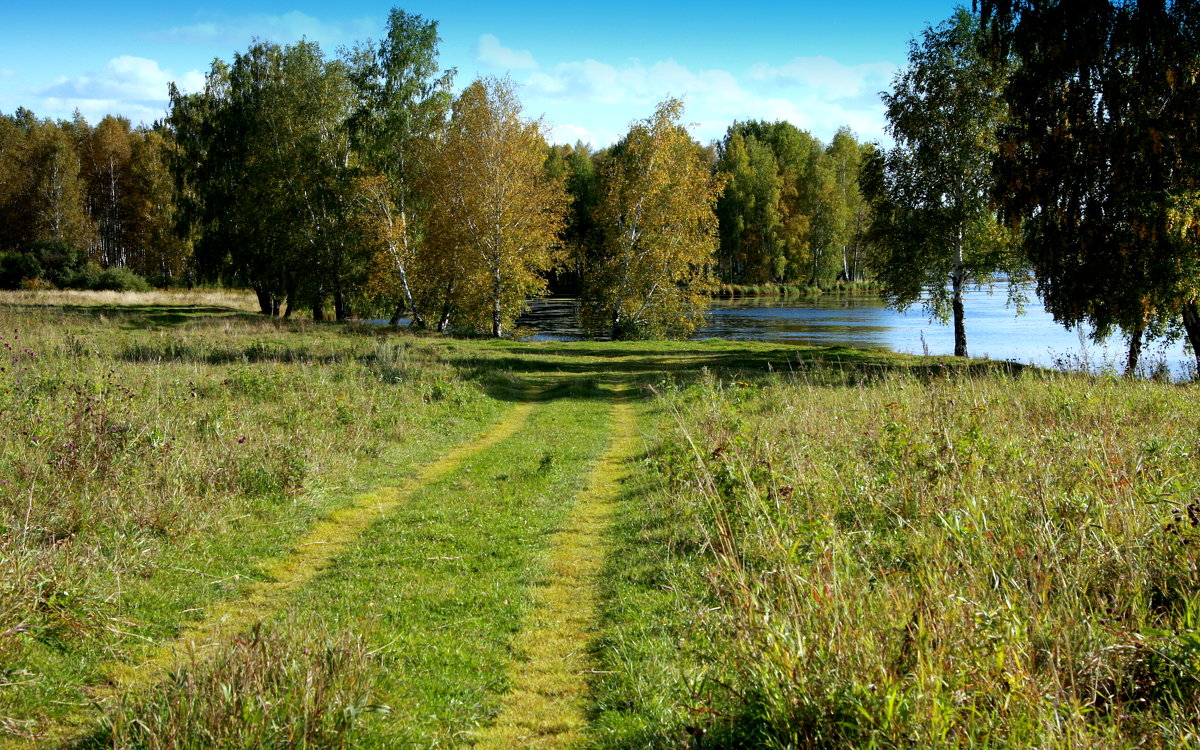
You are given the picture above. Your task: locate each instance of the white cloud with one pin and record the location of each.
(135, 87)
(828, 77)
(571, 133)
(587, 79)
(288, 27)
(7, 73)
(816, 94)
(124, 79)
(489, 51)
(94, 110)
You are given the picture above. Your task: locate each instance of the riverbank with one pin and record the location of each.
(217, 526)
(794, 291)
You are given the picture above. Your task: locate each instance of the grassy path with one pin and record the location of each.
(817, 547)
(458, 608)
(545, 706)
(443, 588)
(311, 554)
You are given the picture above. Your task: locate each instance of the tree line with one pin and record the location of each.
(360, 184)
(78, 203)
(1045, 140)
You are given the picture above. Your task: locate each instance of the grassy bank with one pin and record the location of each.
(225, 530)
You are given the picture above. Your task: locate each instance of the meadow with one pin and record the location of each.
(218, 529)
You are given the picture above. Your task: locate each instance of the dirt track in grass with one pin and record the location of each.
(546, 704)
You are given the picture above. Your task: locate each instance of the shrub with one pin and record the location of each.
(121, 280)
(59, 261)
(92, 277)
(16, 268)
(85, 277)
(35, 285)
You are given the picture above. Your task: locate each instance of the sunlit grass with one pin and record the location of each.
(821, 547)
(147, 472)
(234, 299)
(948, 561)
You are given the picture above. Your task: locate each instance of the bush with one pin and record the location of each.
(632, 330)
(36, 285)
(50, 265)
(59, 261)
(93, 277)
(121, 280)
(18, 267)
(86, 277)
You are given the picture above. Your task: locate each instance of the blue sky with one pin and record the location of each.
(588, 69)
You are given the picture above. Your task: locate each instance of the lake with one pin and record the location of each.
(994, 330)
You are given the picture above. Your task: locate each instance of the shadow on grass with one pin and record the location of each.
(594, 371)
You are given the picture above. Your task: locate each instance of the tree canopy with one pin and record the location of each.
(1101, 158)
(495, 212)
(362, 181)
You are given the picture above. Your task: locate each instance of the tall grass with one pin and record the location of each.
(144, 470)
(967, 560)
(267, 689)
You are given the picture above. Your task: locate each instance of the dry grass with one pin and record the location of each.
(283, 688)
(234, 299)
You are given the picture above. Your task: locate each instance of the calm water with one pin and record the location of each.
(993, 329)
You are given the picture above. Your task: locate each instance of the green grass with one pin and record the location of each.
(238, 532)
(964, 560)
(443, 585)
(136, 491)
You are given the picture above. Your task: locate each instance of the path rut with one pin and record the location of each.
(546, 706)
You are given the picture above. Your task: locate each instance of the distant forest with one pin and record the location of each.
(1052, 141)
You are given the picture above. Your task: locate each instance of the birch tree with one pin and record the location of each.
(656, 211)
(495, 212)
(1100, 161)
(930, 194)
(403, 100)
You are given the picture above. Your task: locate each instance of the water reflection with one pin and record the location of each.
(861, 320)
(851, 320)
